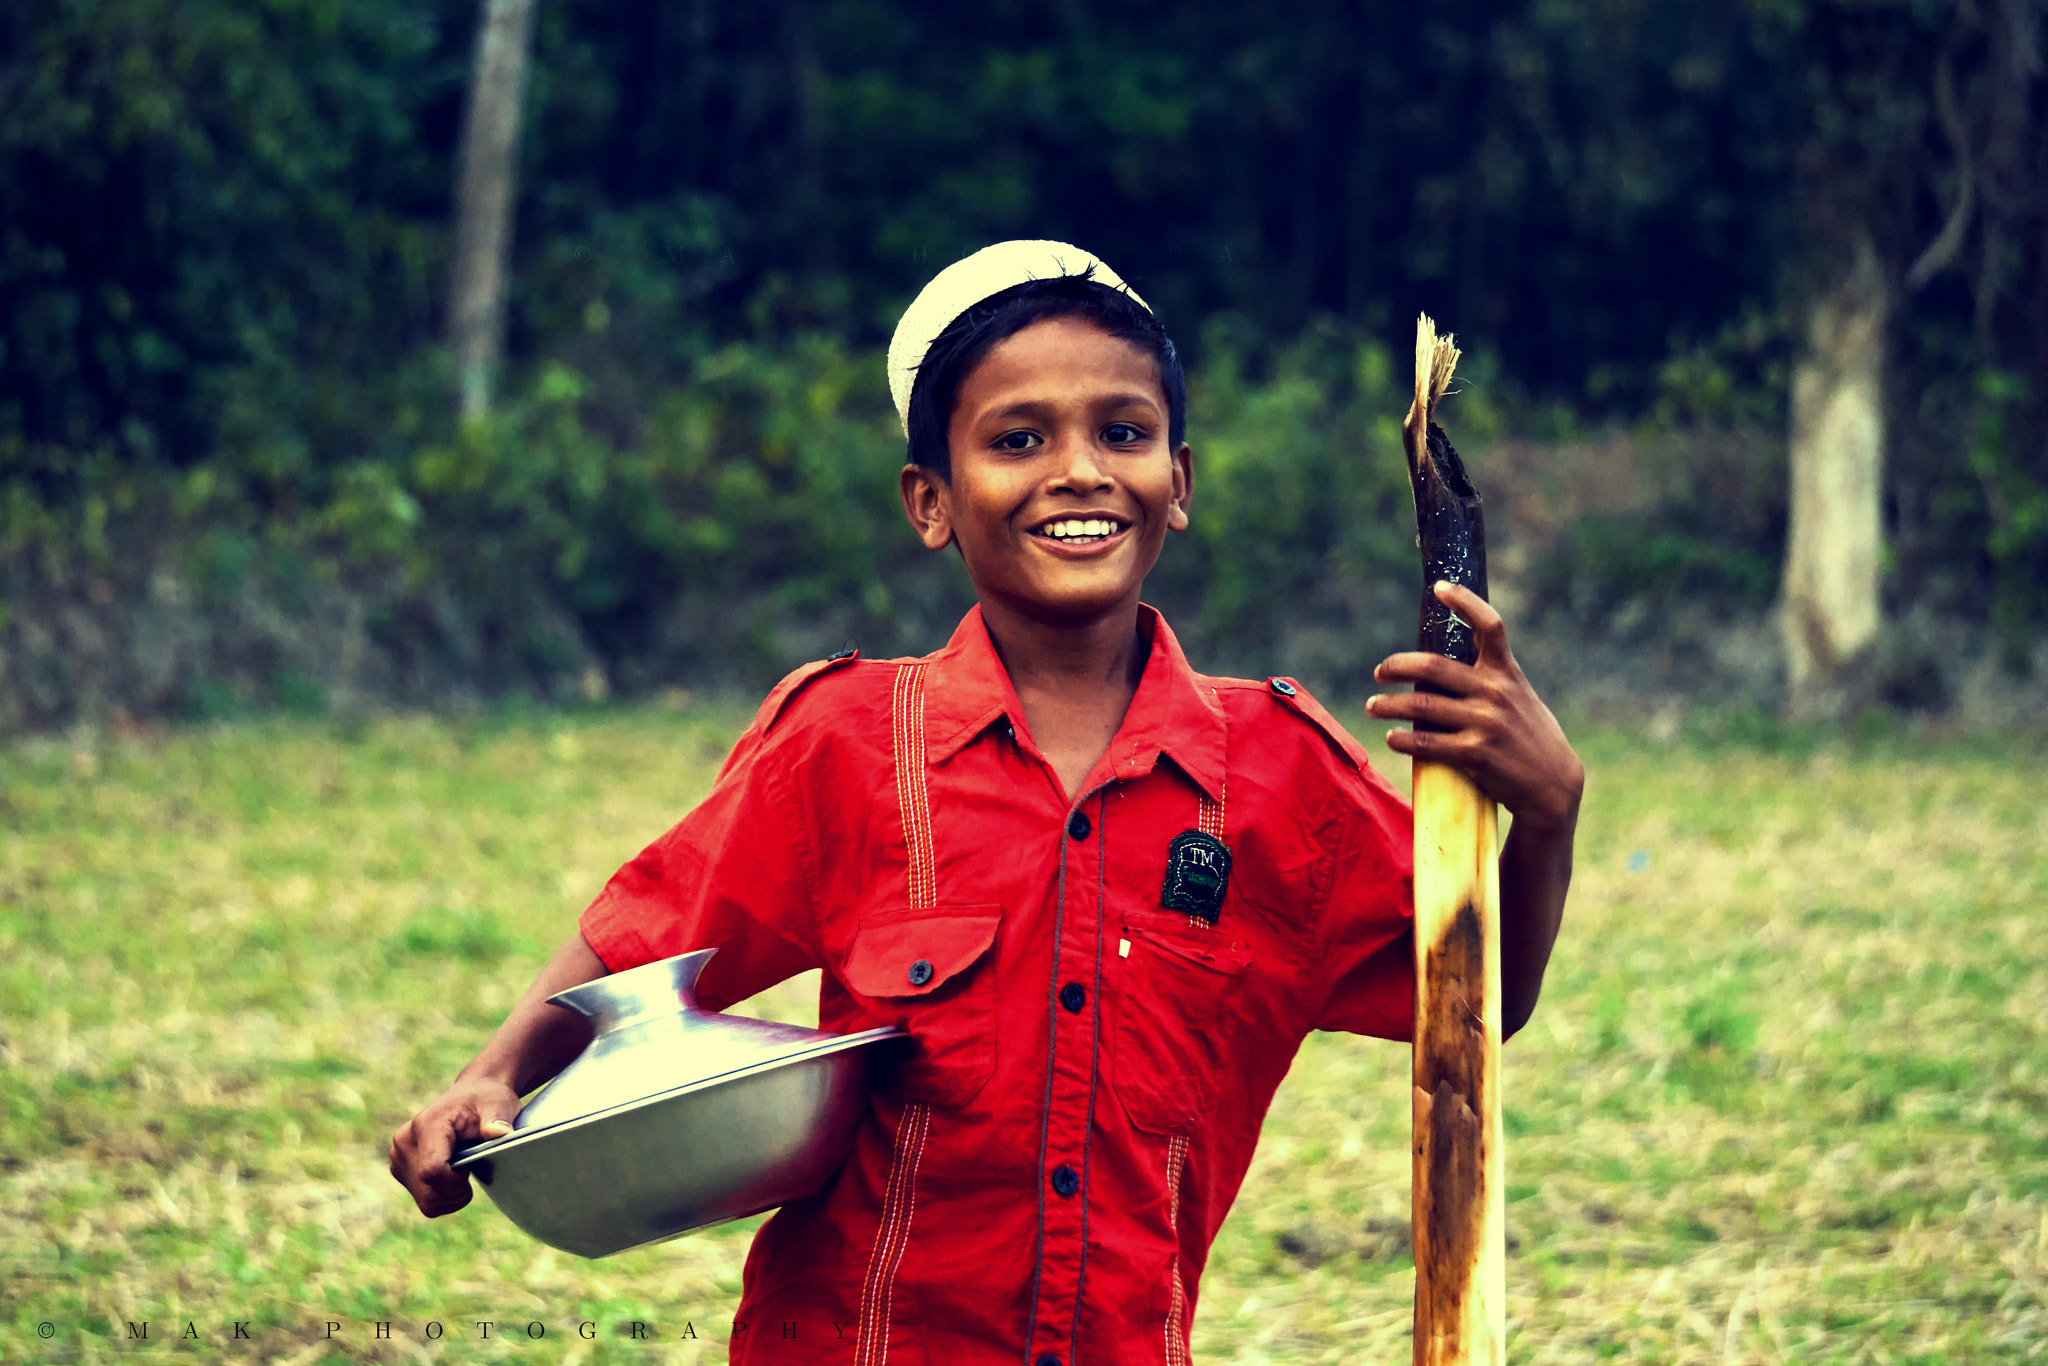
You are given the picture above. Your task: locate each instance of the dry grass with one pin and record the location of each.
(1785, 1100)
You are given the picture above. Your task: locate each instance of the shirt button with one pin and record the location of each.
(1077, 825)
(1282, 686)
(1073, 996)
(1065, 1180)
(920, 972)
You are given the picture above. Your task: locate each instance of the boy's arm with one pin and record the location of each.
(1535, 873)
(1485, 720)
(535, 1042)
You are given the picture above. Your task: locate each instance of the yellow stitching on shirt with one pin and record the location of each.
(1176, 1306)
(912, 795)
(899, 1202)
(1209, 820)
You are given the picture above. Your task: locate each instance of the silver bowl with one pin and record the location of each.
(674, 1118)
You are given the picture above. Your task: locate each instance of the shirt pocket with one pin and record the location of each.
(1178, 999)
(931, 972)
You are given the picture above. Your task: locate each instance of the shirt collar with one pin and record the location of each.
(1174, 713)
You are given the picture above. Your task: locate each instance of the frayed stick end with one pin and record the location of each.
(1436, 359)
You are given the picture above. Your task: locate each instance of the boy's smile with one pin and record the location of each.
(1063, 486)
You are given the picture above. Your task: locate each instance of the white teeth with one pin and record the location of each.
(1077, 528)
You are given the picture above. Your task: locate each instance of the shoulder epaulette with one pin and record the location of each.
(778, 697)
(1295, 698)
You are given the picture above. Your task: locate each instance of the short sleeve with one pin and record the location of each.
(1365, 946)
(729, 876)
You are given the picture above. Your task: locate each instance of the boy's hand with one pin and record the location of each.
(420, 1149)
(536, 1041)
(1485, 720)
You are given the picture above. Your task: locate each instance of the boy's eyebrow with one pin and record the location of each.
(1031, 406)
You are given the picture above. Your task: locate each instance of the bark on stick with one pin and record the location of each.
(1460, 1212)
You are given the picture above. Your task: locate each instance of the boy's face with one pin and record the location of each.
(1063, 486)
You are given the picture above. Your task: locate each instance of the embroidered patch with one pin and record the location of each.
(1197, 874)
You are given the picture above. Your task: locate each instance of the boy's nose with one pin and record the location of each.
(1078, 465)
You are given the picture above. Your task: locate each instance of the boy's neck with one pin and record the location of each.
(1075, 681)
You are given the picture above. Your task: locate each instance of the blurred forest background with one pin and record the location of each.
(234, 474)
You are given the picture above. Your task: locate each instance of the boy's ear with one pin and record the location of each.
(1183, 489)
(924, 503)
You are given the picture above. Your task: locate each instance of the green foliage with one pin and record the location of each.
(2015, 496)
(762, 491)
(225, 242)
(1655, 528)
(1302, 515)
(750, 519)
(200, 193)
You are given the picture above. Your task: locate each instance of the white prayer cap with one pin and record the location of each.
(966, 283)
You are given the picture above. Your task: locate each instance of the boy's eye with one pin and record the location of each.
(1121, 434)
(1016, 441)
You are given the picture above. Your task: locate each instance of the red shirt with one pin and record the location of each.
(1040, 1172)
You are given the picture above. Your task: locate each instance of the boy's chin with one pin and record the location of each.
(1069, 592)
(1068, 603)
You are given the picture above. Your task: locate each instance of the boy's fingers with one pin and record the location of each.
(1456, 748)
(1479, 614)
(450, 1188)
(437, 1189)
(1422, 708)
(1477, 611)
(419, 1162)
(496, 1113)
(1427, 670)
(405, 1166)
(1445, 747)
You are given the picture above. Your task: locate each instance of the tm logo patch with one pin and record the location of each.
(1197, 874)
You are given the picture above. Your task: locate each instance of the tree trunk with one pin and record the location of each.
(1830, 610)
(483, 199)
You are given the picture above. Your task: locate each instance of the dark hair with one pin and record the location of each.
(955, 352)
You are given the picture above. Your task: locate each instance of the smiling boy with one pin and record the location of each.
(1105, 895)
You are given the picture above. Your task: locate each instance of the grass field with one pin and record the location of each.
(1786, 1099)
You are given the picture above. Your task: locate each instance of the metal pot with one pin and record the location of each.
(674, 1118)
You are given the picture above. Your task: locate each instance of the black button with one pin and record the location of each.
(1282, 686)
(920, 972)
(1065, 1180)
(1073, 996)
(1077, 825)
(1047, 1360)
(848, 653)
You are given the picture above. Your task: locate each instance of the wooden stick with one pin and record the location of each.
(1460, 1210)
